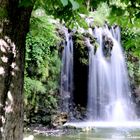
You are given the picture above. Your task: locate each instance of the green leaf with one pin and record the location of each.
(125, 1)
(26, 3)
(64, 2)
(3, 13)
(75, 5)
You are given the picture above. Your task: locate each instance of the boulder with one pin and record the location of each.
(59, 119)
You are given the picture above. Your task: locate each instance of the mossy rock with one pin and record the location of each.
(59, 119)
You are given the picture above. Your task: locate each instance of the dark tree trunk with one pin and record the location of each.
(13, 29)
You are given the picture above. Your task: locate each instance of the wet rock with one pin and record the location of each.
(78, 113)
(108, 45)
(59, 119)
(137, 94)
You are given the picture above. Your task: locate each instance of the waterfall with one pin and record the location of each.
(108, 84)
(66, 88)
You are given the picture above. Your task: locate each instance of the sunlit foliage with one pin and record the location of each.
(42, 68)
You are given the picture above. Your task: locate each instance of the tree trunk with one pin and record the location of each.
(13, 29)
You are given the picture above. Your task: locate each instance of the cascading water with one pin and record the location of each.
(108, 89)
(66, 88)
(109, 97)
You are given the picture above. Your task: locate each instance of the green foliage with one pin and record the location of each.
(32, 88)
(3, 13)
(134, 71)
(125, 13)
(131, 71)
(64, 2)
(131, 41)
(101, 14)
(66, 10)
(75, 5)
(42, 68)
(26, 3)
(42, 28)
(54, 72)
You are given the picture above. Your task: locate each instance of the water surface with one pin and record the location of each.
(98, 134)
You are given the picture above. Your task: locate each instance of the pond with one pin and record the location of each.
(97, 134)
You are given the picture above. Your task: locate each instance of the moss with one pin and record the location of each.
(81, 48)
(80, 43)
(3, 13)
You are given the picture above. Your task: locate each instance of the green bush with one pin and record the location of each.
(42, 70)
